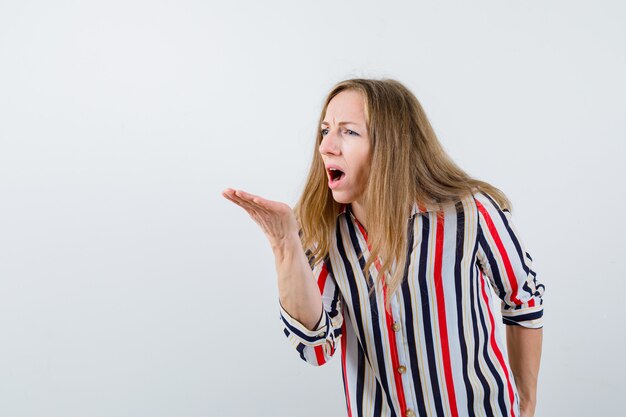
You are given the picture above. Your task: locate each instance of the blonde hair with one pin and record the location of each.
(408, 165)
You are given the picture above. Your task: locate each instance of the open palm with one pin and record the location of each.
(276, 219)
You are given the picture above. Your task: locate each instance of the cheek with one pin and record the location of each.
(364, 162)
(364, 169)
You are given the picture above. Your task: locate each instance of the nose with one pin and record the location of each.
(329, 144)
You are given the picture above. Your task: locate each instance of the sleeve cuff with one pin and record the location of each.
(314, 337)
(531, 318)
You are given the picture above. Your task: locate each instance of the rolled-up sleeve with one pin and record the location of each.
(504, 260)
(317, 346)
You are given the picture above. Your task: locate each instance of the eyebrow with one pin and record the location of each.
(341, 123)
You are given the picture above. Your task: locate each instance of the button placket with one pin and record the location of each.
(397, 327)
(402, 353)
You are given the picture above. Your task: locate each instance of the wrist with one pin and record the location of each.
(527, 408)
(287, 244)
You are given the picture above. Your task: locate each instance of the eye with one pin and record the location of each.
(351, 132)
(324, 132)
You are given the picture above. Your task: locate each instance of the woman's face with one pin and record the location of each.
(345, 146)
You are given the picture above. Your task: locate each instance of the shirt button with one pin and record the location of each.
(396, 326)
(401, 369)
(410, 413)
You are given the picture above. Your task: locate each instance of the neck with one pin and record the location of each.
(359, 212)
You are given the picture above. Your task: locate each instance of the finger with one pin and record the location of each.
(236, 201)
(228, 196)
(240, 202)
(227, 193)
(252, 201)
(250, 207)
(264, 204)
(250, 197)
(245, 194)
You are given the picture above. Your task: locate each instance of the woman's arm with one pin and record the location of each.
(298, 291)
(508, 265)
(524, 349)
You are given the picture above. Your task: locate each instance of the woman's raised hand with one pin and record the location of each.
(297, 288)
(277, 220)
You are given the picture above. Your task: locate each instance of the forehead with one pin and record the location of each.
(349, 105)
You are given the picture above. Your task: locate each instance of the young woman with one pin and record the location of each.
(392, 255)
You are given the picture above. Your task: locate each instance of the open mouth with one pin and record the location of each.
(335, 174)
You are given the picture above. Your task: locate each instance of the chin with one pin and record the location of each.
(341, 198)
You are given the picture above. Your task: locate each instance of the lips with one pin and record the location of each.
(335, 175)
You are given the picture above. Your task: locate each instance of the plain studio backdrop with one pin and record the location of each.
(130, 287)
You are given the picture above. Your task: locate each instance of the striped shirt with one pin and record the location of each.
(439, 351)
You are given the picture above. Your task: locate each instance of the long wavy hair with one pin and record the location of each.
(408, 165)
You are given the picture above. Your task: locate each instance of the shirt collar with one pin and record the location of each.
(422, 209)
(417, 208)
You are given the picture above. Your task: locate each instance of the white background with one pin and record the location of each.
(130, 287)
